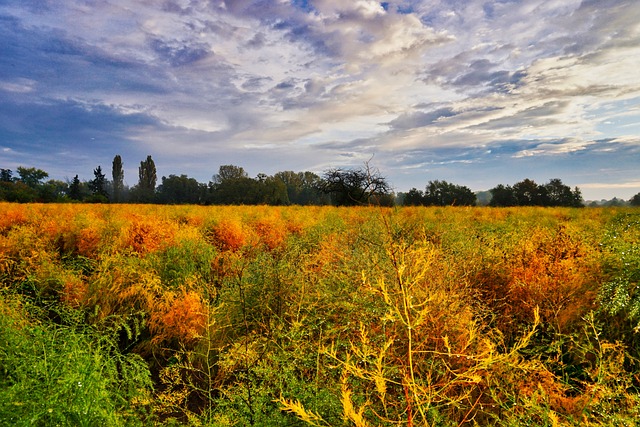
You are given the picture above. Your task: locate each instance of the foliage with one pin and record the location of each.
(528, 193)
(362, 316)
(98, 185)
(440, 193)
(117, 174)
(147, 178)
(69, 374)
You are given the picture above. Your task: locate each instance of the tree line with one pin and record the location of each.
(233, 186)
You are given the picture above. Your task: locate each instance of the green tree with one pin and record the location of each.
(559, 194)
(54, 191)
(117, 174)
(413, 197)
(147, 178)
(6, 175)
(528, 193)
(31, 176)
(181, 190)
(232, 186)
(502, 195)
(74, 189)
(98, 186)
(228, 173)
(443, 193)
(271, 191)
(303, 188)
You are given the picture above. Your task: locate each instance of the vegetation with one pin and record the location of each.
(326, 316)
(233, 186)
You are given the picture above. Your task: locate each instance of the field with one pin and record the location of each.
(217, 316)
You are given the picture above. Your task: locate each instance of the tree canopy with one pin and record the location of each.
(232, 185)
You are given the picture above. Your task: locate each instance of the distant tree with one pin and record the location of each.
(181, 190)
(528, 193)
(6, 175)
(54, 191)
(147, 178)
(635, 200)
(232, 186)
(502, 195)
(98, 186)
(74, 189)
(443, 193)
(615, 202)
(559, 194)
(349, 187)
(17, 192)
(229, 172)
(271, 191)
(303, 188)
(413, 197)
(31, 176)
(117, 174)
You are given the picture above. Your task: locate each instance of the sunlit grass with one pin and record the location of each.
(318, 315)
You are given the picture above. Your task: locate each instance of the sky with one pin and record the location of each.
(474, 92)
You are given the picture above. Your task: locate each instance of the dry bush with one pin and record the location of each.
(228, 235)
(271, 232)
(12, 215)
(74, 292)
(179, 318)
(551, 271)
(148, 234)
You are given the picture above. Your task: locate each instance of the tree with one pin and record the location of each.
(271, 191)
(6, 175)
(181, 190)
(528, 193)
(350, 187)
(31, 176)
(232, 186)
(443, 193)
(303, 188)
(74, 189)
(413, 197)
(147, 178)
(229, 172)
(502, 195)
(98, 186)
(559, 194)
(117, 174)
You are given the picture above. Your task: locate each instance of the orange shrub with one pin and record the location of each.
(149, 235)
(228, 235)
(74, 292)
(551, 271)
(12, 215)
(271, 232)
(181, 317)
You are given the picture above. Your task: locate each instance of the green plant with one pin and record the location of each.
(67, 375)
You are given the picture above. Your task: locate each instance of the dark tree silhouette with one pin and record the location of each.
(350, 187)
(117, 174)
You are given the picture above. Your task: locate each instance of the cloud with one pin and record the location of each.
(441, 85)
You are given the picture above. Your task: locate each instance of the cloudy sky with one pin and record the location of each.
(475, 92)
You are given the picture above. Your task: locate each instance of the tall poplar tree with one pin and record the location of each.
(117, 173)
(147, 179)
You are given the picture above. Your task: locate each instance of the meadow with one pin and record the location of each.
(149, 315)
